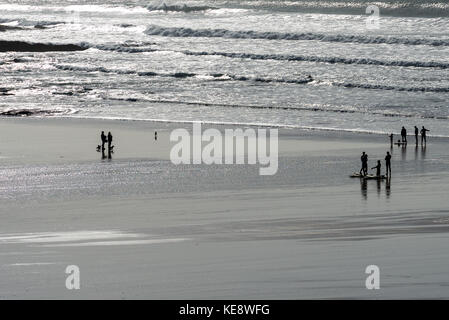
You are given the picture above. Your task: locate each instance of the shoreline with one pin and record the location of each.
(286, 128)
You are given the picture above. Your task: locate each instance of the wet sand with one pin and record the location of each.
(140, 227)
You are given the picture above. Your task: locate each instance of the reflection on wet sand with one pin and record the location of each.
(364, 187)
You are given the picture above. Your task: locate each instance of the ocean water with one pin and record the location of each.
(303, 64)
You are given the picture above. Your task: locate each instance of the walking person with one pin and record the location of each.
(404, 135)
(416, 134)
(388, 163)
(423, 135)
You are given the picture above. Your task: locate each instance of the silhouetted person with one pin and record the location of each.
(423, 135)
(155, 135)
(109, 140)
(388, 163)
(103, 140)
(364, 159)
(404, 135)
(416, 134)
(378, 168)
(391, 139)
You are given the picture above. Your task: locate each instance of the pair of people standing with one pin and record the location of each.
(106, 139)
(423, 135)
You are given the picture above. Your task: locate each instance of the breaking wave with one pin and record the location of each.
(154, 30)
(230, 77)
(179, 8)
(184, 75)
(364, 61)
(401, 8)
(24, 112)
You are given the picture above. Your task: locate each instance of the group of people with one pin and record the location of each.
(106, 139)
(364, 170)
(423, 132)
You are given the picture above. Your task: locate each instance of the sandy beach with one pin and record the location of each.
(141, 227)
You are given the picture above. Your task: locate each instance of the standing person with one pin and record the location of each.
(388, 163)
(391, 140)
(364, 158)
(110, 147)
(378, 168)
(103, 140)
(416, 134)
(404, 135)
(109, 140)
(423, 135)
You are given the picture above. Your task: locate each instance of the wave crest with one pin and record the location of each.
(154, 30)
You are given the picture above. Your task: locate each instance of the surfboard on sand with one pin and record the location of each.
(356, 175)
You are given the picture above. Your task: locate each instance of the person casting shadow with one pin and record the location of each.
(416, 134)
(103, 140)
(110, 146)
(404, 135)
(388, 163)
(423, 136)
(364, 159)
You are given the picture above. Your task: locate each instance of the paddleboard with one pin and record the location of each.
(372, 177)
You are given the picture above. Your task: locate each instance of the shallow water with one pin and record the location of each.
(233, 62)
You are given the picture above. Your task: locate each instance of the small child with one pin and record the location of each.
(378, 167)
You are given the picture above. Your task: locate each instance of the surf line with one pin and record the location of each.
(229, 148)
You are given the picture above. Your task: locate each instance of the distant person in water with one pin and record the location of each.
(423, 135)
(416, 134)
(391, 139)
(404, 135)
(103, 140)
(364, 158)
(378, 168)
(388, 163)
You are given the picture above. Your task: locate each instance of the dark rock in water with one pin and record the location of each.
(17, 113)
(5, 92)
(40, 26)
(126, 25)
(19, 46)
(70, 93)
(6, 28)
